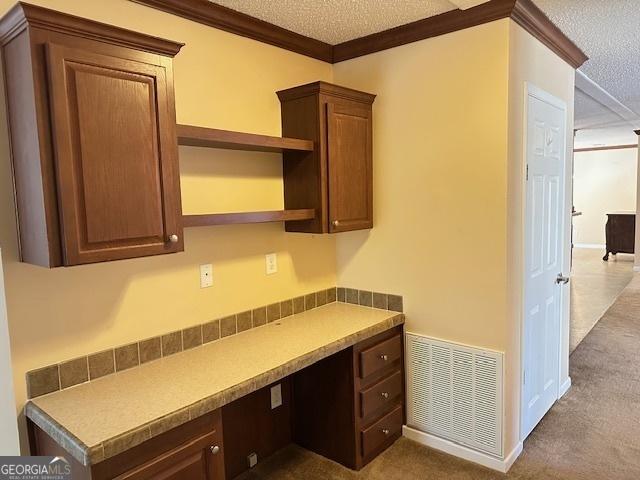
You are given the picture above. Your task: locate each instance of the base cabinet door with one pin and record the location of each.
(191, 451)
(200, 459)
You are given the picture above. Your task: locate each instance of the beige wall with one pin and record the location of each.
(530, 61)
(447, 122)
(223, 81)
(448, 163)
(603, 182)
(440, 184)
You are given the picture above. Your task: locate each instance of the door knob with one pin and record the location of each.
(562, 279)
(173, 238)
(384, 357)
(385, 431)
(385, 395)
(336, 223)
(214, 449)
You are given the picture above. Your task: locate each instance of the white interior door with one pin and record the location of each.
(544, 217)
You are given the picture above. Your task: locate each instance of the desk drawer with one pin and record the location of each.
(382, 432)
(385, 392)
(375, 358)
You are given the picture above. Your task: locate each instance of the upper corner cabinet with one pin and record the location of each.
(337, 177)
(92, 125)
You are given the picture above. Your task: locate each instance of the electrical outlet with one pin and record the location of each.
(252, 460)
(206, 275)
(276, 396)
(271, 260)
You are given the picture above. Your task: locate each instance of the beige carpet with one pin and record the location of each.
(593, 433)
(595, 285)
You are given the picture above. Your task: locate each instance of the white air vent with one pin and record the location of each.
(455, 392)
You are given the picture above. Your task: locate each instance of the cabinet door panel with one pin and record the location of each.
(350, 167)
(193, 460)
(116, 156)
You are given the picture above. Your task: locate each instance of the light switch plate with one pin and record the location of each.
(206, 275)
(271, 260)
(276, 396)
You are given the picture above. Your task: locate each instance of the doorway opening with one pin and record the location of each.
(605, 172)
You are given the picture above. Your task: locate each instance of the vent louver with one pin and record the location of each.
(455, 392)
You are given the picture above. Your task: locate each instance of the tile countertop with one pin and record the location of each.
(97, 420)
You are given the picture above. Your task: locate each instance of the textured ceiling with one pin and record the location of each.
(608, 32)
(336, 21)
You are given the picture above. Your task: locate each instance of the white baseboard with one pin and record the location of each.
(564, 388)
(589, 245)
(446, 446)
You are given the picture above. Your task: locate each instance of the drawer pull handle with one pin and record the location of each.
(385, 431)
(384, 357)
(214, 449)
(385, 395)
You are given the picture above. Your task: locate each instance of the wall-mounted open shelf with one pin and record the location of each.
(247, 217)
(215, 138)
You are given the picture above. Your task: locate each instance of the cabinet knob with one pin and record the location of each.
(173, 238)
(214, 449)
(336, 223)
(385, 431)
(384, 357)
(385, 394)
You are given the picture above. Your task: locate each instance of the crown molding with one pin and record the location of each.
(25, 14)
(524, 12)
(437, 25)
(600, 149)
(223, 18)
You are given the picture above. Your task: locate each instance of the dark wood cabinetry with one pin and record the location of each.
(620, 233)
(350, 406)
(337, 177)
(93, 139)
(191, 451)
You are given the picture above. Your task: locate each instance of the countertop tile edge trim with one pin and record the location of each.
(64, 437)
(90, 455)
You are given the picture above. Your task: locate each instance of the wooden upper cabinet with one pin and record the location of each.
(336, 178)
(350, 165)
(94, 146)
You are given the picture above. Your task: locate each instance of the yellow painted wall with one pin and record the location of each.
(448, 164)
(447, 127)
(221, 80)
(440, 185)
(530, 61)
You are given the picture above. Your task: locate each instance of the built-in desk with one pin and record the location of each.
(170, 408)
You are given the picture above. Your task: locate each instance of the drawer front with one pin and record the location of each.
(383, 393)
(375, 358)
(384, 430)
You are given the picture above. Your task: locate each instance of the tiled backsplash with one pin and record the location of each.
(90, 367)
(365, 298)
